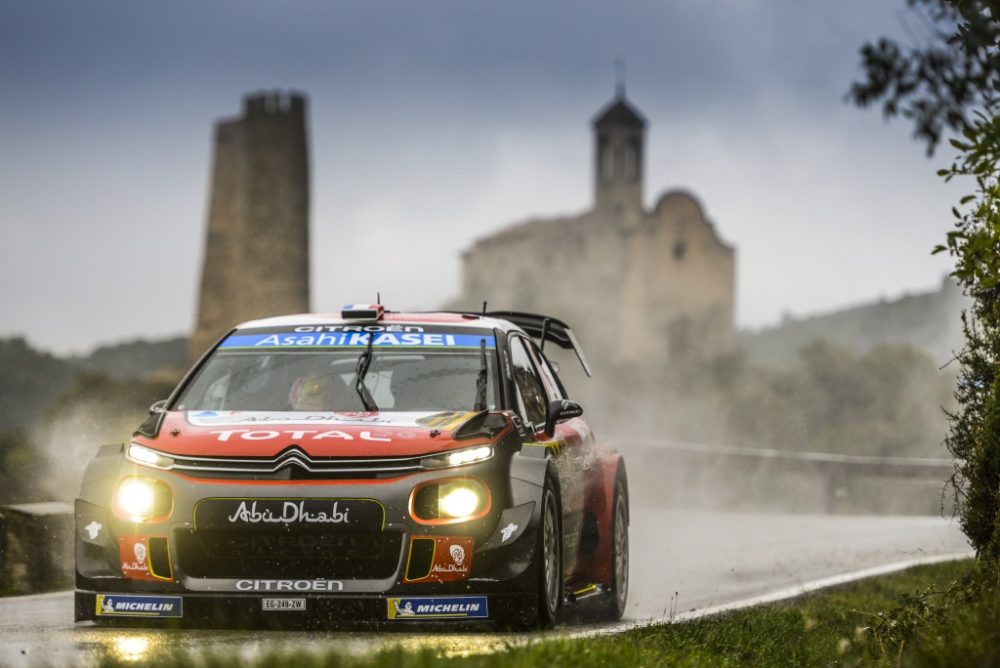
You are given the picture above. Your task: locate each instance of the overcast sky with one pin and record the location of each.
(433, 123)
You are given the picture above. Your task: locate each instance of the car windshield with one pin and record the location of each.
(300, 370)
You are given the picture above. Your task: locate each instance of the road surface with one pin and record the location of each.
(682, 561)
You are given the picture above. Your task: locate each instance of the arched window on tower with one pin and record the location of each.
(632, 160)
(606, 160)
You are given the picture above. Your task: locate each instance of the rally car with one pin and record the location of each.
(376, 466)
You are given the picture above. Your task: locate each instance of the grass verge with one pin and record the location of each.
(941, 614)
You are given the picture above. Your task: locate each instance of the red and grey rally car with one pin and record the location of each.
(377, 465)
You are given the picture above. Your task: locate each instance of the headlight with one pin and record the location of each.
(457, 457)
(142, 499)
(140, 454)
(450, 501)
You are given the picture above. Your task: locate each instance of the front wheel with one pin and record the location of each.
(548, 562)
(550, 584)
(612, 605)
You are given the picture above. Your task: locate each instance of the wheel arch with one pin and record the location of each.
(527, 482)
(609, 465)
(601, 487)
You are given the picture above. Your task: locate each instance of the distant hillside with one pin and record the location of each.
(138, 359)
(29, 382)
(930, 322)
(32, 381)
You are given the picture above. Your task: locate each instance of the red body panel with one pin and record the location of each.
(600, 502)
(339, 435)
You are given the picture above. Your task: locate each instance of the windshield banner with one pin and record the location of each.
(447, 340)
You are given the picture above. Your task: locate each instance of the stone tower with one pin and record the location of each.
(256, 260)
(619, 132)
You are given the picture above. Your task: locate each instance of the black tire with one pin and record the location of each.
(611, 607)
(542, 614)
(549, 555)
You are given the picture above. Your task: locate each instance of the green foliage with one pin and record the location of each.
(955, 83)
(974, 439)
(941, 624)
(921, 626)
(940, 84)
(885, 402)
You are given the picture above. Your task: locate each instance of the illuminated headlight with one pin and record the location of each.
(141, 499)
(458, 457)
(140, 454)
(449, 501)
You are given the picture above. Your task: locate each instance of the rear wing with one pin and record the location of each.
(544, 328)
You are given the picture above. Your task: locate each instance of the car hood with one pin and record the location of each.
(265, 434)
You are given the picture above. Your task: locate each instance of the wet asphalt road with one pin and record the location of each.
(681, 561)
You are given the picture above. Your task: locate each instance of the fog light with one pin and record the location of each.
(141, 499)
(449, 501)
(459, 501)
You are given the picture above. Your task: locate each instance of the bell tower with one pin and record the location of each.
(619, 135)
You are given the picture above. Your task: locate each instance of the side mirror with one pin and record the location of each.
(561, 410)
(158, 407)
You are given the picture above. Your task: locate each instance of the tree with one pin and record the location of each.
(954, 84)
(974, 439)
(938, 86)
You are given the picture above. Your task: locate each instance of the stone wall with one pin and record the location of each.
(36, 547)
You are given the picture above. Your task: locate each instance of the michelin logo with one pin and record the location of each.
(443, 607)
(127, 605)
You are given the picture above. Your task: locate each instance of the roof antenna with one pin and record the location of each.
(378, 298)
(484, 308)
(620, 77)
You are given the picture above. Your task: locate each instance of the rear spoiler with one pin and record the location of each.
(544, 328)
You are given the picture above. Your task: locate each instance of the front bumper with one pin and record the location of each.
(169, 570)
(314, 611)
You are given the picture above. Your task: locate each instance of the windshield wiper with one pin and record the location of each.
(360, 371)
(481, 378)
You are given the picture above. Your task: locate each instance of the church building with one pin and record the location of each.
(641, 286)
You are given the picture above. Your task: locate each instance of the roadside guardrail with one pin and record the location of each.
(835, 470)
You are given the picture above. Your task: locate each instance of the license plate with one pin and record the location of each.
(283, 604)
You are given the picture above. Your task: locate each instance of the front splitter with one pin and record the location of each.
(320, 612)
